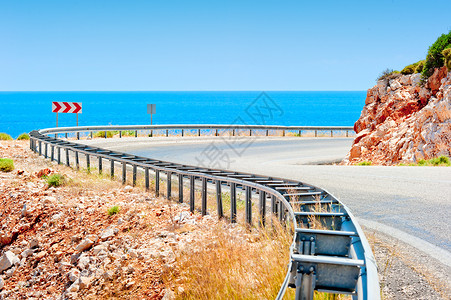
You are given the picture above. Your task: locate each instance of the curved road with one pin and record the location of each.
(412, 204)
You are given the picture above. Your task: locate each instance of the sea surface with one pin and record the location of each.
(26, 111)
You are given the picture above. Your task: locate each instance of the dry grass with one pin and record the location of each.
(232, 264)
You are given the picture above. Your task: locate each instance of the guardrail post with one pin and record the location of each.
(78, 135)
(151, 133)
(45, 150)
(262, 208)
(180, 188)
(204, 196)
(91, 135)
(281, 211)
(167, 133)
(300, 132)
(216, 134)
(198, 132)
(331, 133)
(273, 204)
(182, 132)
(219, 199)
(248, 205)
(233, 132)
(347, 133)
(65, 135)
(100, 164)
(77, 162)
(134, 174)
(136, 133)
(40, 146)
(283, 132)
(88, 163)
(106, 134)
(305, 284)
(233, 202)
(316, 133)
(112, 168)
(52, 152)
(267, 132)
(191, 193)
(250, 132)
(67, 158)
(120, 134)
(124, 172)
(168, 185)
(146, 175)
(157, 183)
(59, 154)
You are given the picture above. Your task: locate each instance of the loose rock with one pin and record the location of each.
(84, 245)
(7, 260)
(73, 275)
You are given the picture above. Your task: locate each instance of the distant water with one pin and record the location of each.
(26, 111)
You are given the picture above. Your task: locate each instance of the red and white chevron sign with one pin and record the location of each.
(66, 107)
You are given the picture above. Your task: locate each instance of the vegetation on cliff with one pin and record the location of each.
(388, 74)
(435, 58)
(439, 55)
(447, 55)
(413, 68)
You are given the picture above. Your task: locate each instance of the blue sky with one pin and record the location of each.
(211, 45)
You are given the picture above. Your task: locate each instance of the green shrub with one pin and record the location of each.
(6, 165)
(113, 210)
(447, 56)
(436, 161)
(23, 136)
(440, 161)
(5, 137)
(128, 133)
(365, 163)
(434, 58)
(410, 69)
(422, 162)
(420, 66)
(388, 74)
(56, 180)
(101, 134)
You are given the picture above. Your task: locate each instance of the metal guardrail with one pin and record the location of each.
(335, 259)
(199, 128)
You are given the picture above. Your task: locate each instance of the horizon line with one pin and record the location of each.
(138, 91)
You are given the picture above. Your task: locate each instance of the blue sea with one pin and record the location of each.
(26, 111)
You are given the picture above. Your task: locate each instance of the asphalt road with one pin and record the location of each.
(412, 204)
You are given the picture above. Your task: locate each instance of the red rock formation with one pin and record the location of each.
(403, 121)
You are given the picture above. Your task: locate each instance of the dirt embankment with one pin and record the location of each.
(58, 243)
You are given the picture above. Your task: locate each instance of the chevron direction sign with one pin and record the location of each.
(66, 107)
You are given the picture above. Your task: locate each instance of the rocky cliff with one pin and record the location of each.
(404, 121)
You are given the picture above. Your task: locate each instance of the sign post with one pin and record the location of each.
(151, 111)
(66, 107)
